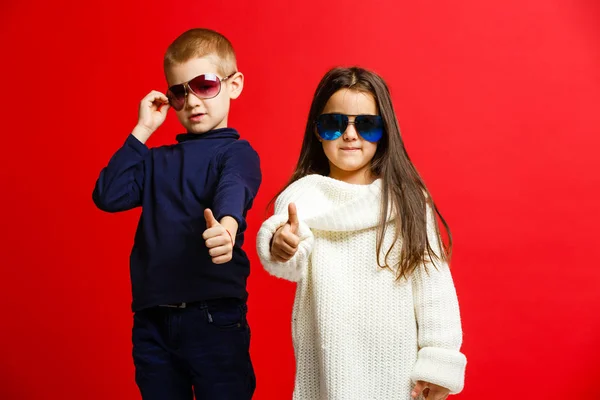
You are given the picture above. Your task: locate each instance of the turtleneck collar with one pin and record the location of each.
(221, 133)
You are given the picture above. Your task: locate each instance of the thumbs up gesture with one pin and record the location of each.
(286, 240)
(218, 239)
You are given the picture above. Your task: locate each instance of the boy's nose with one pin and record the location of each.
(192, 101)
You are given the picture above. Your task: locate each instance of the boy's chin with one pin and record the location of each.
(206, 124)
(199, 129)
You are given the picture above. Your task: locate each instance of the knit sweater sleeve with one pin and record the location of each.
(439, 360)
(295, 268)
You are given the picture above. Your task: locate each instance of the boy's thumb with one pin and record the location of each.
(210, 219)
(293, 218)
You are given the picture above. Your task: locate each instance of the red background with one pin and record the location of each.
(499, 104)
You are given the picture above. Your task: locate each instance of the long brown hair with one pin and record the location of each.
(403, 187)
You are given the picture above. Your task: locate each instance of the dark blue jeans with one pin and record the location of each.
(204, 347)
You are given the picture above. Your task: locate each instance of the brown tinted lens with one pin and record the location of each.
(176, 96)
(205, 86)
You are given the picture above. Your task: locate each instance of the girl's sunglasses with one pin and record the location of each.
(205, 86)
(332, 126)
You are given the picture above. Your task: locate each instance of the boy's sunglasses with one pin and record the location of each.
(332, 126)
(205, 86)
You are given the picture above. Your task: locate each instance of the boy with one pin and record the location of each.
(188, 270)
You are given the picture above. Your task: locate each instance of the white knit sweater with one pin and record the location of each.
(357, 333)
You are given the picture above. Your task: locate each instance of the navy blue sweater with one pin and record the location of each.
(174, 185)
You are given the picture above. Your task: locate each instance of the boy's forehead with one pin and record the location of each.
(187, 70)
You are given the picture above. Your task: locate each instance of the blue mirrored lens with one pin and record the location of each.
(331, 126)
(370, 127)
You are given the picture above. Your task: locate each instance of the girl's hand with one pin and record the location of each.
(430, 391)
(286, 241)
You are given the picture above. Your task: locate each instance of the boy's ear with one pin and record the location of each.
(236, 85)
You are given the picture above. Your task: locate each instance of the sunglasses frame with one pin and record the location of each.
(316, 122)
(187, 89)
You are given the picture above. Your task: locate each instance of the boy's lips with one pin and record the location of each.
(196, 117)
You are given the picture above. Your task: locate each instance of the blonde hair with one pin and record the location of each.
(201, 42)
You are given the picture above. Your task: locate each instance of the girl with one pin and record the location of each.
(375, 308)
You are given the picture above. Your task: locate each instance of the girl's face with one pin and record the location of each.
(350, 155)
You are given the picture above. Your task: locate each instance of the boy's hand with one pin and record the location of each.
(286, 241)
(218, 239)
(152, 113)
(430, 391)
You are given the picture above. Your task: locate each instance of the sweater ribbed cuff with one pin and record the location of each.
(295, 268)
(442, 367)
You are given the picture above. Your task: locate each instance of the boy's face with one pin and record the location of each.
(203, 115)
